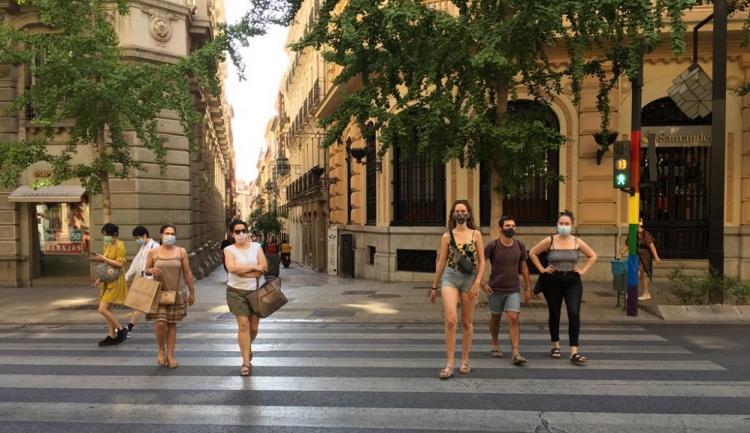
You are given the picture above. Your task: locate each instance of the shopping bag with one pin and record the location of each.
(142, 293)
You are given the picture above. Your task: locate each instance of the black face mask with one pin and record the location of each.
(508, 233)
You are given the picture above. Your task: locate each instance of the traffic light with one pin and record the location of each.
(621, 160)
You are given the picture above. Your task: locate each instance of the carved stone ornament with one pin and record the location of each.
(161, 30)
(160, 26)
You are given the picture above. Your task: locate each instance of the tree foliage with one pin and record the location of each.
(84, 80)
(266, 223)
(438, 83)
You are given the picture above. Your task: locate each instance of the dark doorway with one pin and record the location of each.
(346, 253)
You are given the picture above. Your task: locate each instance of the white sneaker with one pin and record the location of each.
(644, 298)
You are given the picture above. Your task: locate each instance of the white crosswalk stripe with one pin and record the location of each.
(361, 378)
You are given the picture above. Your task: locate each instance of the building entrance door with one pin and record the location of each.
(676, 207)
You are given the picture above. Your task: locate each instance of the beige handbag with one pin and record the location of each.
(167, 298)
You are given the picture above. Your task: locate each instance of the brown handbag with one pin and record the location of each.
(268, 297)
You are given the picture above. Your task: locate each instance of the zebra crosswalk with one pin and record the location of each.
(314, 377)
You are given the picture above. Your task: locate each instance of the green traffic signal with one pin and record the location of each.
(621, 180)
(621, 165)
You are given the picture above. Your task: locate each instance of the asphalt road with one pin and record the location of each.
(314, 377)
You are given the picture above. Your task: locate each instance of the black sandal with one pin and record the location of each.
(555, 353)
(578, 359)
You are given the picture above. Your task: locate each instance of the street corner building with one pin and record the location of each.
(353, 214)
(47, 234)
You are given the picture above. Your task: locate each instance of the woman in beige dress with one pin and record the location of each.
(170, 265)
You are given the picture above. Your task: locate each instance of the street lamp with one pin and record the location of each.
(282, 165)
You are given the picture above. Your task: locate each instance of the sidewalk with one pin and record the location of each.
(313, 297)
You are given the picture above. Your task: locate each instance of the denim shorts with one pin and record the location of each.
(457, 279)
(504, 301)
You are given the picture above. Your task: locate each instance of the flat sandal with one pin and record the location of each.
(446, 373)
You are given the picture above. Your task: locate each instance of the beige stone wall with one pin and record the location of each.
(601, 211)
(192, 193)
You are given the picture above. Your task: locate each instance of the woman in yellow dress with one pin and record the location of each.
(113, 292)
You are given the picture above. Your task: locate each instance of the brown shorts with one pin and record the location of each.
(239, 301)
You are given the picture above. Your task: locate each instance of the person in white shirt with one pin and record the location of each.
(138, 265)
(245, 263)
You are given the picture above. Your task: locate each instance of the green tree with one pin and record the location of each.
(266, 223)
(439, 83)
(84, 79)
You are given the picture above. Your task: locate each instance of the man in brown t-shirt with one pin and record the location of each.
(507, 258)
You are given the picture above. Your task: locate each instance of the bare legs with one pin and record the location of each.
(495, 331)
(643, 277)
(247, 330)
(160, 330)
(105, 309)
(514, 330)
(450, 298)
(166, 339)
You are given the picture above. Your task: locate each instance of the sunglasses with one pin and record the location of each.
(240, 231)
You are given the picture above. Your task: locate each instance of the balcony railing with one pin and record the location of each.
(308, 183)
(307, 110)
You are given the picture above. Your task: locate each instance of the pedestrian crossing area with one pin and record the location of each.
(336, 377)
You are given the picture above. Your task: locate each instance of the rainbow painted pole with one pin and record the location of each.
(634, 200)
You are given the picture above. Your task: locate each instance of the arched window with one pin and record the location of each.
(539, 201)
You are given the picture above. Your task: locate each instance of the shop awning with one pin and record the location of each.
(50, 194)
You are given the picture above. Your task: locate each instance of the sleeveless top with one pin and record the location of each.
(172, 278)
(563, 260)
(248, 256)
(469, 249)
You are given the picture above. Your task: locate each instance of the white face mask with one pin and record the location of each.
(240, 238)
(169, 239)
(564, 230)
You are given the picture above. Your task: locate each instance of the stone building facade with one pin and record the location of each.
(48, 233)
(304, 183)
(386, 216)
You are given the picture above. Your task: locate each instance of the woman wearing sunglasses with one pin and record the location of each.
(245, 264)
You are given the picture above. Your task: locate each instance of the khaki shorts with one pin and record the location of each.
(239, 301)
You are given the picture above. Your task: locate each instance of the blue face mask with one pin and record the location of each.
(564, 230)
(107, 239)
(140, 242)
(169, 239)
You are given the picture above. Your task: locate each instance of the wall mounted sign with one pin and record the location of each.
(678, 136)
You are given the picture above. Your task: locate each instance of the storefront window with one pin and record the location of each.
(63, 228)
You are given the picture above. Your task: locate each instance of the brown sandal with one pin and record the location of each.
(464, 369)
(172, 363)
(245, 370)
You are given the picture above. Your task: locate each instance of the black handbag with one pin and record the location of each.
(464, 264)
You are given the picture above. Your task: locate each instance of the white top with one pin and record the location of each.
(138, 265)
(248, 256)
